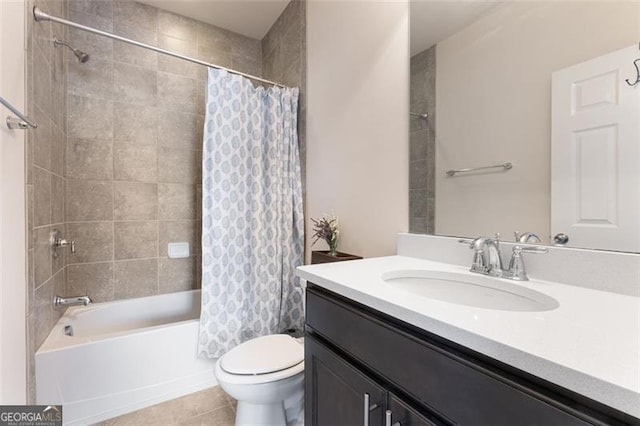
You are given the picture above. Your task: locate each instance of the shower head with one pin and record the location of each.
(82, 56)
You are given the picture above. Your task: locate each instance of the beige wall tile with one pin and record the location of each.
(135, 163)
(176, 201)
(179, 93)
(58, 152)
(179, 130)
(42, 255)
(92, 279)
(129, 54)
(136, 278)
(90, 159)
(177, 274)
(136, 13)
(178, 66)
(135, 201)
(177, 26)
(89, 118)
(102, 8)
(57, 199)
(135, 85)
(92, 79)
(42, 139)
(41, 319)
(89, 200)
(179, 166)
(135, 240)
(215, 56)
(60, 259)
(97, 46)
(135, 124)
(41, 197)
(41, 79)
(94, 241)
(187, 231)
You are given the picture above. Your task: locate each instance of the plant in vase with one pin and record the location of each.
(326, 228)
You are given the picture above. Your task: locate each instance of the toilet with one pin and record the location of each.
(266, 376)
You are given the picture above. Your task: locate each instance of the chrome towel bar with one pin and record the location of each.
(505, 166)
(22, 122)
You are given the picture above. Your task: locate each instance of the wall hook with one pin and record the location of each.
(635, 64)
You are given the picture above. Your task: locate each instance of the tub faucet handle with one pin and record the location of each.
(58, 241)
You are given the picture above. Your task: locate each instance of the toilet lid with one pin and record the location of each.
(263, 355)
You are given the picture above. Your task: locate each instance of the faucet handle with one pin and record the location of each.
(530, 249)
(517, 270)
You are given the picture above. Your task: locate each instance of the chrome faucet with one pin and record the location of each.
(61, 302)
(487, 259)
(486, 255)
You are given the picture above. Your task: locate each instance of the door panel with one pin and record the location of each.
(595, 154)
(335, 391)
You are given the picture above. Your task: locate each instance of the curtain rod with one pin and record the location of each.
(39, 15)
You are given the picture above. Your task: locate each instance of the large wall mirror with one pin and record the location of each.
(533, 97)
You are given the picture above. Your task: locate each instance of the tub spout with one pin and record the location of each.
(61, 302)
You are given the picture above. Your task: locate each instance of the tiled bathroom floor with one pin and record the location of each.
(210, 407)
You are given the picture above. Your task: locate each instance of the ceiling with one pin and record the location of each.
(252, 18)
(434, 20)
(431, 20)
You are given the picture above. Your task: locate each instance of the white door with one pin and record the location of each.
(12, 209)
(595, 153)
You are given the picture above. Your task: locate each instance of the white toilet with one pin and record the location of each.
(266, 376)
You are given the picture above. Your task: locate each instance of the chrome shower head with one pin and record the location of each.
(82, 56)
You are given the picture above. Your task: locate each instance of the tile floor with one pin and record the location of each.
(210, 407)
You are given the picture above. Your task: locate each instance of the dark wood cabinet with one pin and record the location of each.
(415, 378)
(341, 392)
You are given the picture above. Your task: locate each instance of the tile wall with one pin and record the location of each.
(45, 191)
(422, 139)
(133, 152)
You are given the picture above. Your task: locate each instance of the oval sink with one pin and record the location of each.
(471, 290)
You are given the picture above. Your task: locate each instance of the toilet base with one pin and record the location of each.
(260, 414)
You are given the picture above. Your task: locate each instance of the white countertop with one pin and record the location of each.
(590, 344)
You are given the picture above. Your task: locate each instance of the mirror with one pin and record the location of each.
(535, 89)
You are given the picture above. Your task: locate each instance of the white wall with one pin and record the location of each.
(493, 105)
(13, 356)
(357, 121)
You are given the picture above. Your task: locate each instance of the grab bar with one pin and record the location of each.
(22, 122)
(453, 172)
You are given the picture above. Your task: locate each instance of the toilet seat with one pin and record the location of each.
(262, 360)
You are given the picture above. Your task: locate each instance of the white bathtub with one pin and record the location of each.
(123, 356)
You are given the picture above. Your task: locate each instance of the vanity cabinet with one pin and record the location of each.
(356, 357)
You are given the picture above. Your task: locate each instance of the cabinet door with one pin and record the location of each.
(336, 393)
(400, 414)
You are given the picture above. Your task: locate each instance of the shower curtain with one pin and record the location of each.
(252, 224)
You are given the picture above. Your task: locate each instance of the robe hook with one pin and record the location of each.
(635, 64)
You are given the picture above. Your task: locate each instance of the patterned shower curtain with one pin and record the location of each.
(252, 224)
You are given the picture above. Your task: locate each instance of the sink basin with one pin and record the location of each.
(471, 290)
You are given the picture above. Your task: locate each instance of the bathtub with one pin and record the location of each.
(123, 356)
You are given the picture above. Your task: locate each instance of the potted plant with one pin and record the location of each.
(327, 228)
